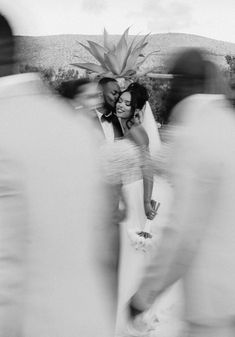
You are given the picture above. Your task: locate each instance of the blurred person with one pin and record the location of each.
(7, 55)
(107, 119)
(197, 245)
(216, 82)
(58, 252)
(69, 89)
(82, 93)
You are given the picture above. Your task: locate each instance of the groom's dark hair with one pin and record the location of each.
(103, 81)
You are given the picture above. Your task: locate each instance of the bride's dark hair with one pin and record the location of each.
(139, 96)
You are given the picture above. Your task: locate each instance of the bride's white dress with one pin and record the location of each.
(124, 166)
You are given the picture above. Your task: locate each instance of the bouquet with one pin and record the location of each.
(142, 325)
(144, 240)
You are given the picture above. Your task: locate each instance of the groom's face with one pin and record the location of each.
(111, 93)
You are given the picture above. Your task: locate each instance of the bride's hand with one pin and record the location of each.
(138, 327)
(150, 212)
(142, 325)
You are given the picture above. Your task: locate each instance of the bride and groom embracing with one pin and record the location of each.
(132, 138)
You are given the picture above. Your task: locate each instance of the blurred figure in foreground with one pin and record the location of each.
(82, 94)
(57, 248)
(198, 244)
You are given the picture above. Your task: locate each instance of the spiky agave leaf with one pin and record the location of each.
(109, 45)
(129, 73)
(120, 59)
(112, 63)
(130, 48)
(135, 51)
(122, 49)
(86, 47)
(141, 42)
(98, 52)
(123, 38)
(108, 74)
(97, 47)
(132, 60)
(96, 68)
(146, 57)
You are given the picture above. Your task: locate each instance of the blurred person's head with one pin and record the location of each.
(69, 89)
(130, 103)
(189, 72)
(111, 91)
(7, 47)
(194, 74)
(82, 93)
(216, 83)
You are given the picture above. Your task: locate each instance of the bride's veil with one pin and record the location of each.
(150, 126)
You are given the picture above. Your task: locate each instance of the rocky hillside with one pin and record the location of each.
(59, 51)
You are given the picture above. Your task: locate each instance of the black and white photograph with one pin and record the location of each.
(117, 168)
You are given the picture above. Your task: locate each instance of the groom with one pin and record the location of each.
(109, 122)
(111, 129)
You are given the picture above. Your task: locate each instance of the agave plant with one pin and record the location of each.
(117, 60)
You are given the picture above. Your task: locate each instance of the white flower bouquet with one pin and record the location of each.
(144, 240)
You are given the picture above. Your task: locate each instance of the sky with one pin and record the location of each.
(210, 18)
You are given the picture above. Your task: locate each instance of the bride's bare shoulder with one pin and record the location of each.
(139, 135)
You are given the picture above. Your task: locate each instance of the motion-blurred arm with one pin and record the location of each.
(195, 182)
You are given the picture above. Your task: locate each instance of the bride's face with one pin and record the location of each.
(123, 106)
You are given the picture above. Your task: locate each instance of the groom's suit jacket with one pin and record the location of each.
(111, 131)
(56, 243)
(111, 128)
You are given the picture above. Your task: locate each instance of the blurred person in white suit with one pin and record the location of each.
(198, 242)
(58, 261)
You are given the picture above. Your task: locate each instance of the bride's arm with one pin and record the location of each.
(140, 137)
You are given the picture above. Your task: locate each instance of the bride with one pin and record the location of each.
(131, 158)
(131, 166)
(128, 110)
(128, 161)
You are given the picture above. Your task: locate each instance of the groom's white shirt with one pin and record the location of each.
(107, 128)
